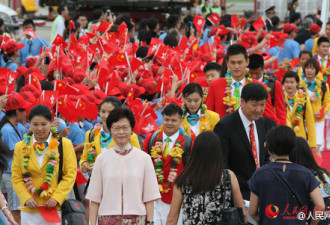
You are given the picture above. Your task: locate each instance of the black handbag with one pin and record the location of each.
(73, 211)
(230, 215)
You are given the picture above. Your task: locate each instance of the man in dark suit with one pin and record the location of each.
(270, 13)
(243, 134)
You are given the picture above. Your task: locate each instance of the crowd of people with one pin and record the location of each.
(172, 127)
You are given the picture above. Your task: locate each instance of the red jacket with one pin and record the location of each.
(279, 103)
(166, 197)
(214, 100)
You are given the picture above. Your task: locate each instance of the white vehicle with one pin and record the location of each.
(10, 18)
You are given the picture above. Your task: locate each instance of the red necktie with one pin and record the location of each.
(253, 145)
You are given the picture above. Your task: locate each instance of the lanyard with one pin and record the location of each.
(19, 135)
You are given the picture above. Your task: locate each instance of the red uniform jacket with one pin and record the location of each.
(214, 100)
(166, 197)
(279, 104)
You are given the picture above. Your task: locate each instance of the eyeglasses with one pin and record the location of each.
(124, 128)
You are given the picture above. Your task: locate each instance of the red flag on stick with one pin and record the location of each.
(49, 214)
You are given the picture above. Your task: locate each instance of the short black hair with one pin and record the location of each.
(290, 74)
(170, 40)
(236, 49)
(127, 20)
(293, 17)
(28, 22)
(305, 52)
(172, 21)
(113, 100)
(281, 140)
(152, 23)
(192, 88)
(141, 52)
(41, 110)
(61, 8)
(255, 61)
(46, 85)
(143, 23)
(172, 109)
(118, 114)
(1, 22)
(212, 66)
(254, 91)
(96, 14)
(321, 40)
(275, 20)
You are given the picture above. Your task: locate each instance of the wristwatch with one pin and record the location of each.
(150, 222)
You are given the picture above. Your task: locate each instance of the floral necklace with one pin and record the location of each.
(230, 101)
(300, 101)
(324, 70)
(176, 158)
(45, 189)
(204, 121)
(314, 87)
(91, 145)
(266, 81)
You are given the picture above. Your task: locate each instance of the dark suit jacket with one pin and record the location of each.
(236, 147)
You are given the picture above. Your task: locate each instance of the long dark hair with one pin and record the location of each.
(302, 155)
(205, 166)
(5, 153)
(9, 114)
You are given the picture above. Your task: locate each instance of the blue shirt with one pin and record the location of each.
(21, 128)
(2, 114)
(290, 51)
(205, 38)
(10, 65)
(270, 190)
(96, 121)
(309, 44)
(273, 51)
(10, 138)
(87, 125)
(162, 36)
(77, 135)
(31, 48)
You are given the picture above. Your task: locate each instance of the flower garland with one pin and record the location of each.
(45, 189)
(91, 146)
(176, 158)
(266, 81)
(300, 101)
(324, 70)
(230, 101)
(316, 95)
(204, 121)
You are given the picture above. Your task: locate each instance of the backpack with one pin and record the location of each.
(271, 85)
(323, 89)
(73, 211)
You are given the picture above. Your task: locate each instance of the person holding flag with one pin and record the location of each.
(37, 179)
(32, 43)
(196, 117)
(318, 91)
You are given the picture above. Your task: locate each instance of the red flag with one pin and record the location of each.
(86, 109)
(67, 109)
(259, 24)
(294, 62)
(322, 112)
(71, 26)
(59, 41)
(155, 43)
(147, 125)
(214, 18)
(104, 26)
(243, 22)
(234, 21)
(64, 88)
(50, 215)
(48, 98)
(80, 179)
(118, 59)
(130, 97)
(31, 33)
(135, 64)
(199, 23)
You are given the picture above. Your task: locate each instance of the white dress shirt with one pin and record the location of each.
(242, 82)
(246, 123)
(325, 61)
(172, 142)
(195, 128)
(41, 157)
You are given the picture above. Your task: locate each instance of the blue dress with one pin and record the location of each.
(272, 193)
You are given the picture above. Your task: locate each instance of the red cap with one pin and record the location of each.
(21, 70)
(288, 27)
(31, 88)
(31, 61)
(92, 99)
(11, 46)
(16, 101)
(99, 95)
(314, 28)
(149, 85)
(28, 96)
